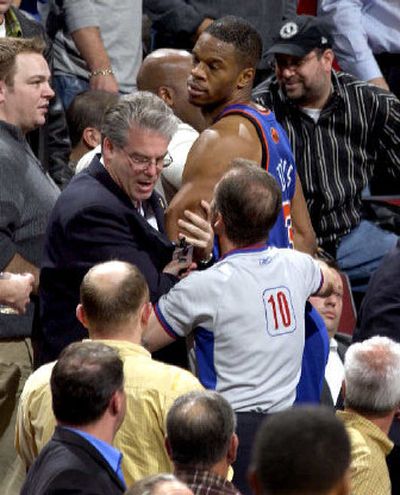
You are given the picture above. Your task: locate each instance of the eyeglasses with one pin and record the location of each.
(293, 63)
(144, 162)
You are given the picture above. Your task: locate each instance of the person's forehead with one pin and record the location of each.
(31, 63)
(211, 47)
(338, 280)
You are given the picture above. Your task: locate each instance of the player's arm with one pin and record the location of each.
(328, 283)
(208, 160)
(303, 232)
(154, 336)
(198, 183)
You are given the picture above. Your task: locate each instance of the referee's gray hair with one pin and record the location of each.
(143, 109)
(372, 375)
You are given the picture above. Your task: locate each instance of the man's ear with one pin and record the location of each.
(81, 315)
(218, 223)
(3, 88)
(166, 94)
(327, 59)
(168, 447)
(145, 313)
(117, 402)
(232, 449)
(246, 77)
(91, 137)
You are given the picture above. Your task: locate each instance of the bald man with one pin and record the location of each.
(165, 72)
(115, 309)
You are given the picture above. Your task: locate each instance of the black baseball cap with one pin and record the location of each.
(300, 35)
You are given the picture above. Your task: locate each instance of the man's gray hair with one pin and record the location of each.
(148, 485)
(143, 109)
(372, 375)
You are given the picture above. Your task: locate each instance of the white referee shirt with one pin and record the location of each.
(246, 314)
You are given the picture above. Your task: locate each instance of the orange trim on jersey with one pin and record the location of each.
(259, 128)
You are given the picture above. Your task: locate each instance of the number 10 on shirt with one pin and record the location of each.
(279, 311)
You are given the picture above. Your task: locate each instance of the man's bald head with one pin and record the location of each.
(165, 72)
(111, 294)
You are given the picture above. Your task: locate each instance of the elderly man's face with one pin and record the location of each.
(137, 166)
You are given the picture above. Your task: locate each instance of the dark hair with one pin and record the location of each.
(87, 110)
(109, 304)
(249, 200)
(242, 35)
(301, 451)
(10, 48)
(83, 381)
(199, 428)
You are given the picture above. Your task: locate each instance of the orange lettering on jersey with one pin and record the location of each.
(288, 221)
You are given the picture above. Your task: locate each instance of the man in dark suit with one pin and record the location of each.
(89, 405)
(330, 308)
(111, 211)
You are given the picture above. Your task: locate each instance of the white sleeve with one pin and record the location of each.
(350, 38)
(189, 304)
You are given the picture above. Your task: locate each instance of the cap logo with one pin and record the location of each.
(289, 30)
(324, 40)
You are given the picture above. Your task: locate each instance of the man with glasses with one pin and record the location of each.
(111, 211)
(342, 131)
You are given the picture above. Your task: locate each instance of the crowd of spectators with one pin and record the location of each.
(186, 198)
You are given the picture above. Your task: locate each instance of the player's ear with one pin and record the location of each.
(246, 77)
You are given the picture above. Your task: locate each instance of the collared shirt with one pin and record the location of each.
(357, 133)
(150, 386)
(203, 482)
(110, 454)
(361, 29)
(369, 448)
(334, 371)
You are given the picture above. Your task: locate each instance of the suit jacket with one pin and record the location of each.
(70, 464)
(94, 221)
(344, 341)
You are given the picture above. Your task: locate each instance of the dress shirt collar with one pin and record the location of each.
(124, 346)
(110, 453)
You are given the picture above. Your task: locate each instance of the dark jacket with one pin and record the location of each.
(50, 143)
(94, 221)
(70, 464)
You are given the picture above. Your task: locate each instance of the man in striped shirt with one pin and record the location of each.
(342, 131)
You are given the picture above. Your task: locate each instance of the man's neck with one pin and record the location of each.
(1, 19)
(382, 421)
(319, 101)
(99, 429)
(127, 332)
(211, 112)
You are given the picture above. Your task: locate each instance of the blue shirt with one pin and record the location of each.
(110, 453)
(360, 29)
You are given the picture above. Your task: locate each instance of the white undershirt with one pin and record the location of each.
(313, 113)
(3, 29)
(334, 371)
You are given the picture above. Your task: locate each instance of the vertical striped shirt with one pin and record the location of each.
(357, 135)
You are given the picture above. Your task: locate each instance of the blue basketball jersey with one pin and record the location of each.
(278, 160)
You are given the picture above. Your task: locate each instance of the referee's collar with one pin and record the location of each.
(252, 248)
